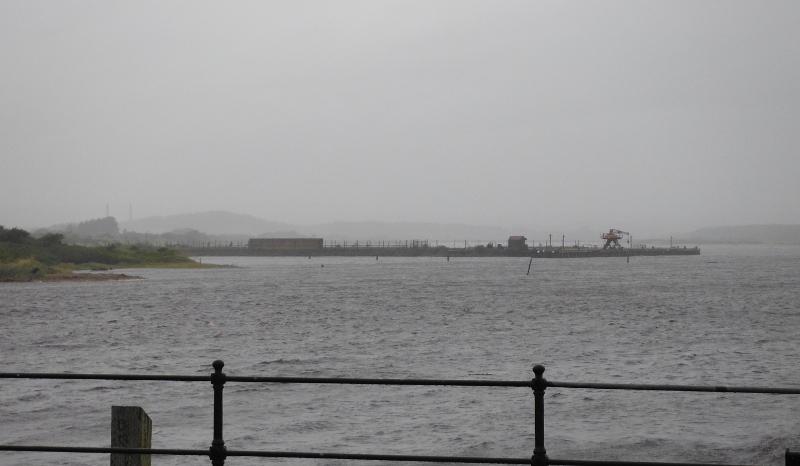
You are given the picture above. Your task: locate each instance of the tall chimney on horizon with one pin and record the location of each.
(130, 212)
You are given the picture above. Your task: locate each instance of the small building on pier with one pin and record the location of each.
(517, 243)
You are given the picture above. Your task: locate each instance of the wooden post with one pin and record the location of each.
(131, 427)
(792, 458)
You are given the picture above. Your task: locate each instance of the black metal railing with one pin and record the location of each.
(218, 452)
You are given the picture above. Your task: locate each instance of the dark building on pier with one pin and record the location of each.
(517, 243)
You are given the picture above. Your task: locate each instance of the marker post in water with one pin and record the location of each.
(131, 427)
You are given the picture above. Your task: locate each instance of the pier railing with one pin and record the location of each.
(218, 453)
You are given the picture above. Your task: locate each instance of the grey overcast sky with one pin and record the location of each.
(648, 116)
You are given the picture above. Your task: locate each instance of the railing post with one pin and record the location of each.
(218, 452)
(539, 383)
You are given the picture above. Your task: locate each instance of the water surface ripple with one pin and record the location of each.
(728, 317)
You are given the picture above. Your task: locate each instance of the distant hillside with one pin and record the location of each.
(389, 231)
(232, 224)
(214, 223)
(106, 226)
(786, 234)
(229, 223)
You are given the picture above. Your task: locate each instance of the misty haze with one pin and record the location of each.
(658, 118)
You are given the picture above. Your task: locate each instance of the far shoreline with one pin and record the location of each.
(97, 274)
(77, 277)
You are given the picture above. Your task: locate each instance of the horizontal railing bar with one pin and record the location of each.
(559, 462)
(423, 382)
(318, 380)
(341, 456)
(377, 457)
(674, 388)
(453, 459)
(46, 375)
(357, 381)
(120, 450)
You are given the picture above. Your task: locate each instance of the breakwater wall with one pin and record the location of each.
(442, 251)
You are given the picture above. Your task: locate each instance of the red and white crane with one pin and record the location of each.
(612, 238)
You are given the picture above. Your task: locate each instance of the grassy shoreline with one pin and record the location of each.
(24, 258)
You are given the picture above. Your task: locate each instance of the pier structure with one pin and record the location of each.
(572, 253)
(418, 248)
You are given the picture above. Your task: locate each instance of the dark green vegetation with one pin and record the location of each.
(23, 257)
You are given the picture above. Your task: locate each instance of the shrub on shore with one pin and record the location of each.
(30, 269)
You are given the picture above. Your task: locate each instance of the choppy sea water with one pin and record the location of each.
(728, 317)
